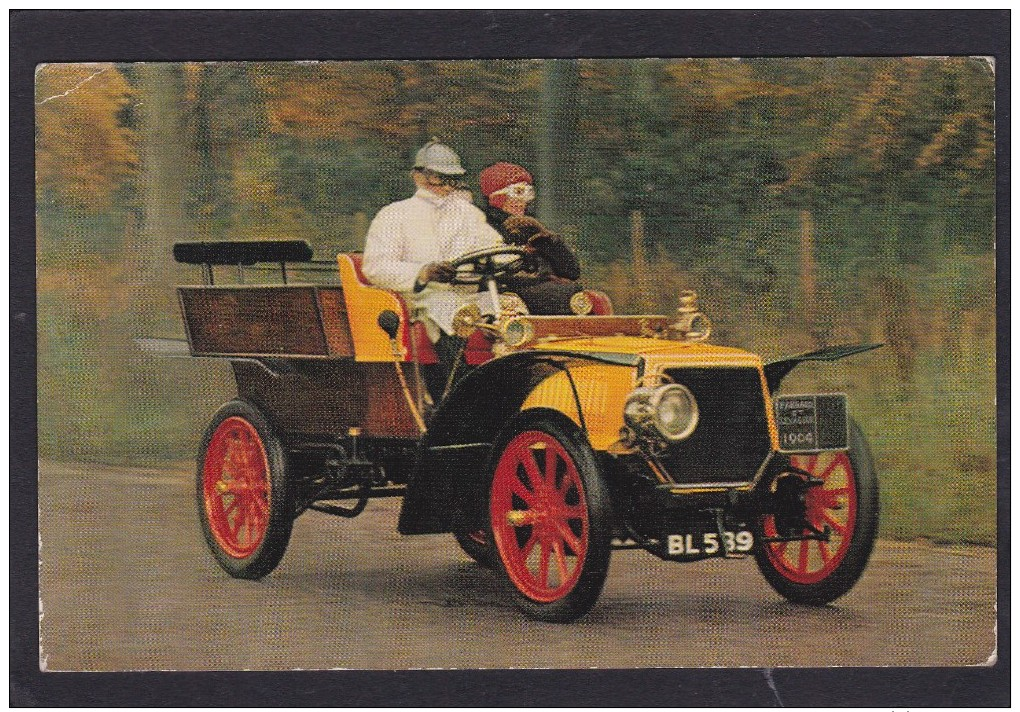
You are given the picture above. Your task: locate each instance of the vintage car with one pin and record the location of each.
(559, 439)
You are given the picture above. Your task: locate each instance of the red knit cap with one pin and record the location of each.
(499, 176)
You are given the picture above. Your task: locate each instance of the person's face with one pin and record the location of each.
(516, 197)
(435, 183)
(515, 206)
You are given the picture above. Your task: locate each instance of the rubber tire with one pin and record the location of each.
(267, 556)
(482, 554)
(849, 570)
(585, 593)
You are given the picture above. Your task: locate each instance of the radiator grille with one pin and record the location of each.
(732, 437)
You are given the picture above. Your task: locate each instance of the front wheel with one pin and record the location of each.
(817, 572)
(242, 497)
(550, 517)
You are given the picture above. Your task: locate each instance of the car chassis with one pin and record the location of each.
(559, 439)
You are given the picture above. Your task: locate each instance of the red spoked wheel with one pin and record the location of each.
(236, 487)
(845, 505)
(242, 498)
(549, 516)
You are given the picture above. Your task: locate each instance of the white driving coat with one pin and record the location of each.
(407, 235)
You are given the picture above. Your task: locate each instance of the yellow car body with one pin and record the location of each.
(603, 389)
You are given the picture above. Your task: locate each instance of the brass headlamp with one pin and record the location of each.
(581, 304)
(666, 413)
(690, 324)
(468, 318)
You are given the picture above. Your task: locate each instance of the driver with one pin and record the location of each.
(410, 244)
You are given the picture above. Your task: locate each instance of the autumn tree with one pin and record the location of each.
(84, 151)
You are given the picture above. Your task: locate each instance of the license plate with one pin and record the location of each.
(812, 423)
(708, 543)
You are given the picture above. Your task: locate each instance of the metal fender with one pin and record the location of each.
(776, 371)
(454, 454)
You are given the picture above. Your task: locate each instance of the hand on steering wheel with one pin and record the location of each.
(483, 265)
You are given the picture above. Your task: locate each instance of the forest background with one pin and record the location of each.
(809, 201)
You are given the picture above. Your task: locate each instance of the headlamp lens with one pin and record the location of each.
(676, 412)
(668, 412)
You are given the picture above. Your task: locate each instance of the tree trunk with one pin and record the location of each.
(641, 273)
(807, 276)
(165, 171)
(556, 171)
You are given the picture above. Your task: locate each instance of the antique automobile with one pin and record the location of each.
(557, 440)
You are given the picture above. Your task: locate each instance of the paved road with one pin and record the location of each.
(127, 584)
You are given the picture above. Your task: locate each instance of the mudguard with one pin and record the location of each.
(454, 454)
(776, 371)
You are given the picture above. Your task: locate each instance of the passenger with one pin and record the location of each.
(551, 267)
(410, 244)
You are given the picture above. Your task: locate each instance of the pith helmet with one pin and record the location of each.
(439, 157)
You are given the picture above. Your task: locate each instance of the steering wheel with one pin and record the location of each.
(483, 265)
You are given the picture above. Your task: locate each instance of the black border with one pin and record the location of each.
(48, 36)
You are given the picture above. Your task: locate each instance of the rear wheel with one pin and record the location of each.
(550, 517)
(846, 504)
(242, 492)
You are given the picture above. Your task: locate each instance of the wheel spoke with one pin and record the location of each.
(551, 469)
(529, 546)
(802, 562)
(568, 536)
(249, 523)
(836, 526)
(574, 511)
(256, 516)
(531, 469)
(820, 500)
(239, 517)
(830, 467)
(823, 551)
(561, 561)
(517, 488)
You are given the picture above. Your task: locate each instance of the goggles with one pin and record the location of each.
(438, 179)
(524, 192)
